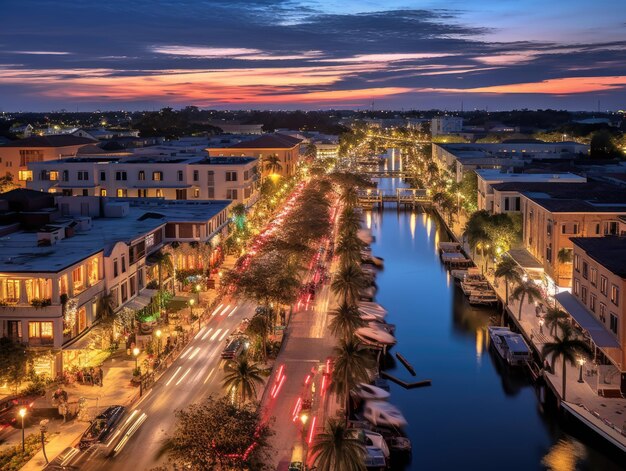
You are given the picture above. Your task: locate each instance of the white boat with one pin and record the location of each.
(370, 439)
(375, 458)
(483, 298)
(372, 306)
(375, 336)
(383, 413)
(511, 346)
(458, 274)
(449, 247)
(368, 392)
(369, 317)
(382, 325)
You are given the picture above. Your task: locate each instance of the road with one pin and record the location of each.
(194, 375)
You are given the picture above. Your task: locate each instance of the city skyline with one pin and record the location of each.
(313, 55)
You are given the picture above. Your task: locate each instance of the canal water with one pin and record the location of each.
(478, 414)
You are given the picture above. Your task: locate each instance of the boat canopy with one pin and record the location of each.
(515, 343)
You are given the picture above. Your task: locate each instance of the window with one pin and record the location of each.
(231, 176)
(123, 264)
(28, 156)
(120, 176)
(121, 192)
(583, 294)
(231, 194)
(211, 192)
(83, 175)
(132, 281)
(141, 176)
(157, 176)
(597, 229)
(180, 175)
(66, 175)
(614, 294)
(149, 240)
(576, 286)
(103, 176)
(611, 228)
(115, 270)
(572, 229)
(585, 270)
(592, 303)
(604, 285)
(517, 203)
(124, 292)
(25, 175)
(246, 174)
(41, 332)
(594, 277)
(577, 263)
(78, 279)
(54, 176)
(196, 175)
(548, 227)
(549, 253)
(603, 312)
(613, 324)
(85, 192)
(159, 193)
(196, 193)
(103, 192)
(211, 178)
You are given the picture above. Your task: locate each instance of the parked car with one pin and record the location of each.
(234, 348)
(102, 426)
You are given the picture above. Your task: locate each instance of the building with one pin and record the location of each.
(52, 278)
(559, 212)
(461, 158)
(22, 130)
(145, 176)
(326, 150)
(16, 155)
(507, 198)
(446, 125)
(236, 128)
(596, 304)
(286, 148)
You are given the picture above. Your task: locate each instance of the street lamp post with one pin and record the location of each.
(191, 303)
(541, 321)
(22, 414)
(136, 352)
(198, 287)
(43, 427)
(158, 335)
(581, 362)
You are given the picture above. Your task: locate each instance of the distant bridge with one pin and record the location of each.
(401, 196)
(386, 173)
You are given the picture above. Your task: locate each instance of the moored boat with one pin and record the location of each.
(510, 345)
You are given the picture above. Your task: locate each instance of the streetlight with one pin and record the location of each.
(541, 321)
(136, 352)
(43, 428)
(198, 288)
(581, 362)
(22, 414)
(158, 335)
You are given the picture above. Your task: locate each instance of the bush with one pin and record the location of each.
(153, 284)
(12, 459)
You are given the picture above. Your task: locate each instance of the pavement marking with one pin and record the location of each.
(200, 332)
(214, 336)
(224, 334)
(224, 310)
(173, 376)
(209, 375)
(232, 312)
(217, 309)
(207, 333)
(130, 433)
(195, 352)
(183, 376)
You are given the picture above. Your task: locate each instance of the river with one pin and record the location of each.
(477, 414)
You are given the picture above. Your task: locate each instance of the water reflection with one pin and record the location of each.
(565, 455)
(412, 222)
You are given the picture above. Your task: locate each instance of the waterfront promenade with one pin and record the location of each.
(607, 416)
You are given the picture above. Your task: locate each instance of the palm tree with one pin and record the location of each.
(345, 320)
(348, 282)
(258, 328)
(272, 163)
(352, 364)
(528, 290)
(568, 348)
(553, 317)
(350, 221)
(508, 269)
(106, 314)
(163, 261)
(349, 249)
(242, 377)
(350, 197)
(334, 450)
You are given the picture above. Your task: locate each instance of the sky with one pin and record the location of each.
(290, 54)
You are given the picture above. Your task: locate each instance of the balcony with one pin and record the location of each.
(40, 342)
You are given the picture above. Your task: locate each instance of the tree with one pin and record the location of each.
(344, 321)
(568, 348)
(348, 282)
(13, 361)
(242, 379)
(349, 221)
(553, 317)
(164, 262)
(528, 290)
(349, 197)
(334, 450)
(272, 163)
(352, 365)
(106, 315)
(564, 256)
(508, 269)
(349, 249)
(216, 434)
(603, 145)
(257, 330)
(7, 183)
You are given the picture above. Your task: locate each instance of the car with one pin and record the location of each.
(295, 466)
(234, 348)
(101, 427)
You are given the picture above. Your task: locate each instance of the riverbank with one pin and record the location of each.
(604, 416)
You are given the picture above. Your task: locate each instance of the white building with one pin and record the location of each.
(171, 178)
(446, 125)
(326, 150)
(508, 199)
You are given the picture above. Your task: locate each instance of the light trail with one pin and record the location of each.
(209, 376)
(224, 335)
(214, 336)
(195, 352)
(183, 376)
(173, 376)
(130, 433)
(217, 309)
(207, 333)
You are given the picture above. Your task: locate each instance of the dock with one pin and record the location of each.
(404, 384)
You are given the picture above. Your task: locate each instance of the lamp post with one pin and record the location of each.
(191, 303)
(43, 428)
(581, 362)
(158, 335)
(22, 414)
(136, 352)
(541, 321)
(198, 287)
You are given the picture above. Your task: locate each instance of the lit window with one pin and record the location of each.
(120, 192)
(196, 193)
(103, 192)
(25, 175)
(149, 240)
(54, 176)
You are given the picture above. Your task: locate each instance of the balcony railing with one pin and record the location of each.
(40, 341)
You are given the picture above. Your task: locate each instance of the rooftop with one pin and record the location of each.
(497, 175)
(587, 197)
(60, 140)
(610, 251)
(268, 141)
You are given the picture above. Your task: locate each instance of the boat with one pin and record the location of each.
(399, 444)
(456, 259)
(370, 438)
(510, 345)
(449, 247)
(372, 306)
(375, 458)
(382, 325)
(370, 392)
(383, 413)
(369, 316)
(484, 298)
(458, 274)
(373, 336)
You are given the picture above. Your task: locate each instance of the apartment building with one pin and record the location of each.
(446, 125)
(286, 148)
(17, 155)
(556, 214)
(51, 278)
(507, 198)
(145, 176)
(596, 303)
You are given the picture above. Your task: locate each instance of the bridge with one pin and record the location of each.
(386, 173)
(400, 196)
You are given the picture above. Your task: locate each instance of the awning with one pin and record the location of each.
(599, 334)
(138, 302)
(82, 342)
(525, 260)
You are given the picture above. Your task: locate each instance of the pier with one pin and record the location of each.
(401, 196)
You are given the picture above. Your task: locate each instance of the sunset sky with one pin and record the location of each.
(272, 54)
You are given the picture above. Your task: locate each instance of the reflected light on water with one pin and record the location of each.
(368, 219)
(564, 455)
(429, 225)
(480, 334)
(412, 225)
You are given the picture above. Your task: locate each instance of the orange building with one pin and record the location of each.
(286, 148)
